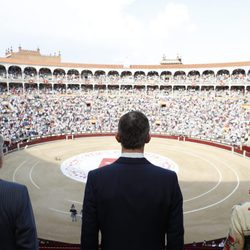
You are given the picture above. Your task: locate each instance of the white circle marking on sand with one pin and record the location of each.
(30, 175)
(225, 198)
(77, 167)
(18, 167)
(218, 183)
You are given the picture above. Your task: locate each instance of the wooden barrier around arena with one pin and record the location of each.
(245, 151)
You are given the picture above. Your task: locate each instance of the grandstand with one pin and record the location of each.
(27, 69)
(43, 99)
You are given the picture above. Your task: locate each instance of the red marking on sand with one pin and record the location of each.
(106, 161)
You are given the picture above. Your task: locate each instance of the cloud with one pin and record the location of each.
(95, 25)
(173, 20)
(165, 30)
(64, 17)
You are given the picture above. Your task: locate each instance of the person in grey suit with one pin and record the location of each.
(134, 204)
(17, 224)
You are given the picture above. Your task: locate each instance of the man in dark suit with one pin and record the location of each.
(134, 204)
(17, 224)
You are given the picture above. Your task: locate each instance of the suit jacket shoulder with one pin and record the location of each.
(17, 224)
(7, 185)
(133, 163)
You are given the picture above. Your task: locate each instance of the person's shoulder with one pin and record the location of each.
(102, 169)
(161, 170)
(244, 206)
(241, 208)
(8, 185)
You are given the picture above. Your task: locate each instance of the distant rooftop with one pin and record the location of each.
(32, 55)
(35, 58)
(166, 61)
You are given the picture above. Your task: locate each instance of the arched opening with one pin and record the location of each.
(238, 74)
(152, 73)
(60, 88)
(99, 73)
(73, 75)
(30, 73)
(166, 89)
(72, 88)
(45, 88)
(126, 87)
(194, 73)
(223, 74)
(152, 88)
(193, 77)
(3, 87)
(126, 74)
(59, 75)
(193, 88)
(239, 89)
(87, 87)
(179, 88)
(15, 88)
(208, 75)
(101, 88)
(113, 87)
(152, 79)
(139, 77)
(179, 75)
(113, 78)
(113, 73)
(15, 72)
(86, 74)
(220, 88)
(140, 87)
(45, 74)
(100, 77)
(166, 75)
(2, 71)
(30, 87)
(139, 74)
(207, 88)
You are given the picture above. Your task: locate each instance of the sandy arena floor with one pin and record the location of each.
(211, 179)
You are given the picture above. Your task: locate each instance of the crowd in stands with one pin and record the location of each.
(213, 115)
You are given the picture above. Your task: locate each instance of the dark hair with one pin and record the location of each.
(133, 128)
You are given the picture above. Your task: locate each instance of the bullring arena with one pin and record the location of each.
(211, 179)
(59, 119)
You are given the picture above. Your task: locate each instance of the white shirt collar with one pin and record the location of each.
(132, 155)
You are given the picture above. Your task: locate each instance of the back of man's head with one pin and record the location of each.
(133, 130)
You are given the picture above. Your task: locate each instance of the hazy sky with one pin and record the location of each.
(129, 31)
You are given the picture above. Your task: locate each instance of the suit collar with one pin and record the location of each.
(128, 160)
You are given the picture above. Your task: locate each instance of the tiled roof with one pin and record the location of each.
(15, 61)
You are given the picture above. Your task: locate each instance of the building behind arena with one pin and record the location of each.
(27, 68)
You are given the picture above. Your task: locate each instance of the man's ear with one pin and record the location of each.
(148, 138)
(118, 137)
